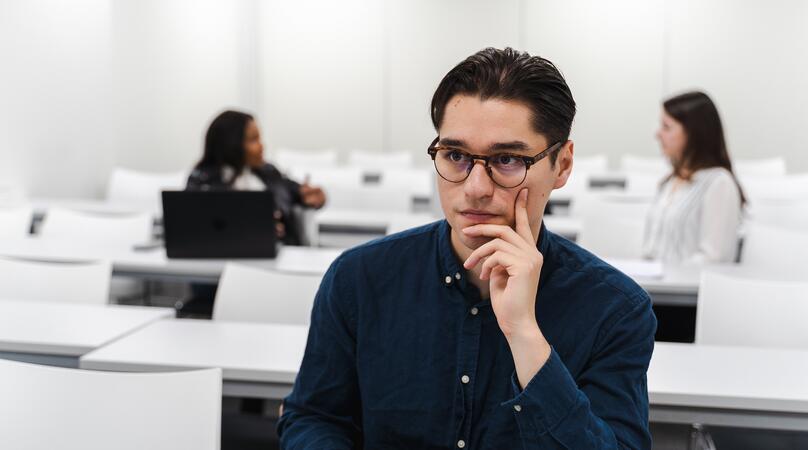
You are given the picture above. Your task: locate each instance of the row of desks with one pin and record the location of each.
(728, 386)
(677, 287)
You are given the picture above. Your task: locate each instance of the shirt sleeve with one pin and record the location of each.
(607, 406)
(720, 219)
(323, 410)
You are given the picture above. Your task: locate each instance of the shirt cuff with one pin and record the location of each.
(547, 399)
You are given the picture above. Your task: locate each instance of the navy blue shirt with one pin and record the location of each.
(404, 353)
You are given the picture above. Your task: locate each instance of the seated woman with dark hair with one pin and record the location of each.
(698, 207)
(234, 160)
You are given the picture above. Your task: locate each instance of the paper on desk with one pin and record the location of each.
(638, 268)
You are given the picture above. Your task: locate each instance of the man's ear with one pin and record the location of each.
(564, 164)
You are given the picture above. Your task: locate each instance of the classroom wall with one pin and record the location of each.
(92, 84)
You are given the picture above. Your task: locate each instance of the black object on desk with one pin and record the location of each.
(219, 224)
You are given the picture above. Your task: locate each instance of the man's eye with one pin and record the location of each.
(456, 155)
(505, 160)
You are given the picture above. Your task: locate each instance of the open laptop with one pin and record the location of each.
(219, 224)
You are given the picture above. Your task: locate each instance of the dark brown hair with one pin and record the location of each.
(224, 141)
(706, 146)
(508, 74)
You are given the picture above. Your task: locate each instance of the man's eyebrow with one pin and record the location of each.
(499, 146)
(513, 146)
(452, 143)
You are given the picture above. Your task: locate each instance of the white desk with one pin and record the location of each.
(257, 360)
(729, 386)
(58, 333)
(153, 263)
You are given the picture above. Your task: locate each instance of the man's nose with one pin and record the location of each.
(478, 183)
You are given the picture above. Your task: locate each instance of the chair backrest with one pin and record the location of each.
(760, 167)
(764, 188)
(288, 158)
(327, 177)
(118, 229)
(612, 226)
(369, 198)
(739, 310)
(774, 249)
(249, 294)
(644, 164)
(418, 182)
(48, 407)
(74, 282)
(591, 164)
(15, 222)
(378, 160)
(141, 190)
(644, 183)
(784, 213)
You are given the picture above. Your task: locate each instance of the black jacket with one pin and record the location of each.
(286, 193)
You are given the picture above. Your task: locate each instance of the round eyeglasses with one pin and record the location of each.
(507, 170)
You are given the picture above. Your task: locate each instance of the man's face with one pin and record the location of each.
(482, 127)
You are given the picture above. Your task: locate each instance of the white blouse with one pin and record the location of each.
(695, 221)
(245, 181)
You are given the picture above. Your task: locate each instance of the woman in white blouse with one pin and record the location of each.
(698, 208)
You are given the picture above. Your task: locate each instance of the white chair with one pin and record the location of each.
(249, 294)
(644, 183)
(763, 188)
(772, 249)
(612, 226)
(644, 164)
(418, 182)
(783, 213)
(590, 164)
(15, 222)
(48, 407)
(327, 177)
(769, 167)
(122, 230)
(74, 282)
(739, 310)
(378, 160)
(369, 198)
(142, 190)
(287, 158)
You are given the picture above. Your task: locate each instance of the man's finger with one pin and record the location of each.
(521, 217)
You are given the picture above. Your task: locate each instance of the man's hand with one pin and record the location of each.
(512, 264)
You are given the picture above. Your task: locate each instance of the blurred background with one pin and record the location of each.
(88, 85)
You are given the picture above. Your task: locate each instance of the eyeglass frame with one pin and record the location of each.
(433, 149)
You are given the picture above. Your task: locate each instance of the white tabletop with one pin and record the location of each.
(68, 329)
(371, 220)
(154, 263)
(725, 377)
(255, 352)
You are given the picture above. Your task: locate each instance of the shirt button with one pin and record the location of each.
(465, 379)
(517, 408)
(461, 443)
(457, 275)
(447, 280)
(474, 311)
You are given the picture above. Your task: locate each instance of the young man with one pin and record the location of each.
(483, 331)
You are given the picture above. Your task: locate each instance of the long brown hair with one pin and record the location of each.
(706, 146)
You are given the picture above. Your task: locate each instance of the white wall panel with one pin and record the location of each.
(751, 57)
(611, 54)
